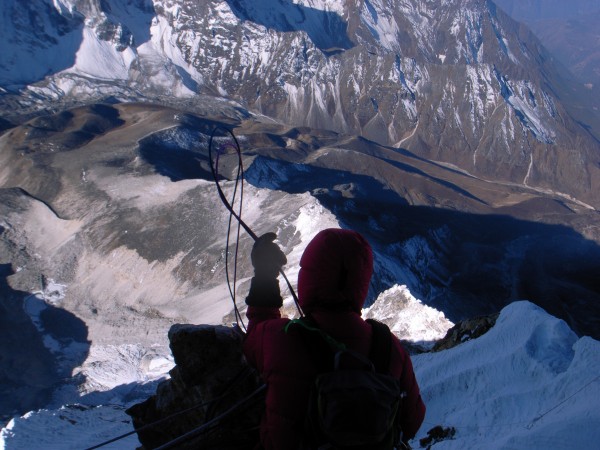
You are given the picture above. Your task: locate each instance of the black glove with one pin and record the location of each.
(267, 260)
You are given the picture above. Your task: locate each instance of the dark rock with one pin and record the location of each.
(465, 331)
(5, 125)
(437, 434)
(210, 377)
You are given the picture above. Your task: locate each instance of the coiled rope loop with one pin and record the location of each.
(239, 183)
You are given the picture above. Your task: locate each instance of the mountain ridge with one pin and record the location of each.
(469, 177)
(397, 77)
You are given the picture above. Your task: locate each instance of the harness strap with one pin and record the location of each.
(323, 355)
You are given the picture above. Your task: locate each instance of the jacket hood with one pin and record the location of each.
(335, 271)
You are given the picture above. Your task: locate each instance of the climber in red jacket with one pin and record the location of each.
(335, 271)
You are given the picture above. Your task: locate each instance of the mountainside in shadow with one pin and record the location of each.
(532, 10)
(569, 30)
(460, 83)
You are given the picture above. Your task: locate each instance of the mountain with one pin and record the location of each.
(569, 31)
(574, 42)
(437, 131)
(112, 230)
(460, 83)
(533, 10)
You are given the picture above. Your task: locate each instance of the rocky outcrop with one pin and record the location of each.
(465, 331)
(210, 378)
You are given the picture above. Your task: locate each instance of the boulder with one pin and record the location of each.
(211, 376)
(465, 331)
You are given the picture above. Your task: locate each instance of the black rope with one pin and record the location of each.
(197, 431)
(150, 425)
(215, 174)
(240, 376)
(238, 216)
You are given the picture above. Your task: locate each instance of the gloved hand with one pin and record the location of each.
(267, 258)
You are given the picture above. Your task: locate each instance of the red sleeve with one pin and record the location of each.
(413, 410)
(253, 343)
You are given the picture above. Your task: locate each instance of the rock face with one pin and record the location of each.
(465, 331)
(210, 377)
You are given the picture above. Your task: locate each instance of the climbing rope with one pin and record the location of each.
(238, 378)
(202, 428)
(239, 183)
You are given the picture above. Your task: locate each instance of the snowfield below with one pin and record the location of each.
(529, 383)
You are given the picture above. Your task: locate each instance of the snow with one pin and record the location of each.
(382, 25)
(110, 366)
(25, 59)
(70, 427)
(323, 5)
(100, 59)
(408, 317)
(522, 97)
(162, 51)
(64, 7)
(528, 383)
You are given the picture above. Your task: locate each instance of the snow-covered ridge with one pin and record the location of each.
(518, 386)
(408, 317)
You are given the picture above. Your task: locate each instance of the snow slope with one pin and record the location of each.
(529, 383)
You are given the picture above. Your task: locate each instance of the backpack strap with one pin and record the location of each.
(323, 346)
(381, 346)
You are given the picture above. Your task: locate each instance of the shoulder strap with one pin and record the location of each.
(322, 349)
(381, 346)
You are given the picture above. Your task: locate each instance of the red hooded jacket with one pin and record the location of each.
(335, 271)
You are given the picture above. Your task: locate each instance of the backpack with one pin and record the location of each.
(354, 402)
